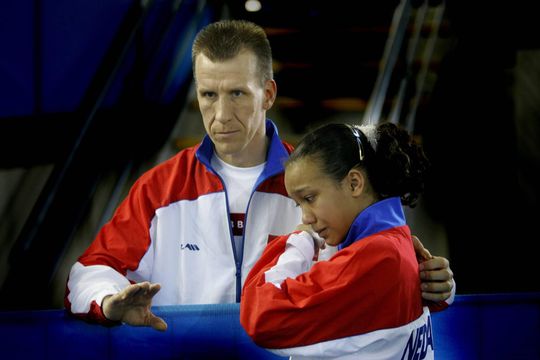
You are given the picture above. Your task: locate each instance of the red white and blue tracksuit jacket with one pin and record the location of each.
(173, 228)
(363, 303)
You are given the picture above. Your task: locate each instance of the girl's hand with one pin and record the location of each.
(318, 241)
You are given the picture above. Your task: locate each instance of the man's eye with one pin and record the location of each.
(237, 93)
(209, 94)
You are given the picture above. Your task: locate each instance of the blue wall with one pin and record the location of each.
(50, 49)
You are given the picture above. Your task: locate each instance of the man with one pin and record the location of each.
(195, 225)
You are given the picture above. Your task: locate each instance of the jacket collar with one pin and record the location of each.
(275, 157)
(382, 215)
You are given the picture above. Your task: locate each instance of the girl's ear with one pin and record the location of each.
(356, 182)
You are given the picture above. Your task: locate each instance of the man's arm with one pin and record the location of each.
(86, 288)
(118, 248)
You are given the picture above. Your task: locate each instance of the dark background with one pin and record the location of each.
(92, 94)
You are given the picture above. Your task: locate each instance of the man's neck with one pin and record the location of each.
(248, 157)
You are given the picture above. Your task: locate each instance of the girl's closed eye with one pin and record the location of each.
(309, 198)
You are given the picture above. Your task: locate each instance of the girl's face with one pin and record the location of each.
(329, 207)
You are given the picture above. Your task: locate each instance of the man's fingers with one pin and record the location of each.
(435, 296)
(136, 294)
(438, 287)
(138, 289)
(421, 252)
(132, 291)
(153, 320)
(436, 275)
(153, 290)
(157, 323)
(436, 263)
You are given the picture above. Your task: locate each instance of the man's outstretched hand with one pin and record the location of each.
(132, 306)
(435, 274)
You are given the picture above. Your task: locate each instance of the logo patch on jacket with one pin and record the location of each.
(191, 247)
(237, 224)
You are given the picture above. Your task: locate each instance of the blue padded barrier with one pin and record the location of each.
(194, 332)
(502, 326)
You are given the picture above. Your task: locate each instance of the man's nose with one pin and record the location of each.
(223, 109)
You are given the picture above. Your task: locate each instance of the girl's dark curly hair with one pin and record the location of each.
(395, 165)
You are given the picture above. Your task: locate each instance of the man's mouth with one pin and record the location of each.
(225, 133)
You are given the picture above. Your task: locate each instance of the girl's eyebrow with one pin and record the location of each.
(300, 190)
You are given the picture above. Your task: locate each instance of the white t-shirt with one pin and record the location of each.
(239, 183)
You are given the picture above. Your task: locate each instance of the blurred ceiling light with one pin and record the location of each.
(253, 5)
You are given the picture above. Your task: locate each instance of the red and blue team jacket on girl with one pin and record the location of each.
(174, 229)
(363, 303)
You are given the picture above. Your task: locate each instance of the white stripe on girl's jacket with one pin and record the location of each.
(173, 228)
(363, 303)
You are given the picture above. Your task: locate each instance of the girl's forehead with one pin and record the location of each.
(308, 161)
(303, 173)
(302, 166)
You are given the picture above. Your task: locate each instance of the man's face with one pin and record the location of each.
(233, 104)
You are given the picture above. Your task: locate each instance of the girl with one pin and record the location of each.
(365, 301)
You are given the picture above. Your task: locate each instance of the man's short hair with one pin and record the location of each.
(223, 40)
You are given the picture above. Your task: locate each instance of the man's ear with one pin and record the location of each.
(270, 92)
(356, 182)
